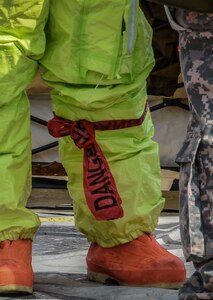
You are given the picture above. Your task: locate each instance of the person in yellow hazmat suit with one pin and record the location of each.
(96, 56)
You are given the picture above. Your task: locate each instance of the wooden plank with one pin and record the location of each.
(59, 198)
(51, 198)
(172, 200)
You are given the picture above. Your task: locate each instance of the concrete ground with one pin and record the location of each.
(59, 252)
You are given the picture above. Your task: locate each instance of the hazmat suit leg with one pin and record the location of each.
(106, 82)
(22, 42)
(97, 62)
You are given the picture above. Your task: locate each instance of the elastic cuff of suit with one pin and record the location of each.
(12, 236)
(114, 241)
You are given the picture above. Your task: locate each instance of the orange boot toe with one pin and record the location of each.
(141, 262)
(16, 274)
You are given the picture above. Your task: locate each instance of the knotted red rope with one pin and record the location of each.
(100, 189)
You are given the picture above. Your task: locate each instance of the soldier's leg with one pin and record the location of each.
(196, 49)
(21, 44)
(196, 155)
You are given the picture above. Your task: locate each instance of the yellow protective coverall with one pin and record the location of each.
(105, 82)
(96, 56)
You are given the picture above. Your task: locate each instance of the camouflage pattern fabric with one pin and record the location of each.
(193, 289)
(196, 155)
(206, 272)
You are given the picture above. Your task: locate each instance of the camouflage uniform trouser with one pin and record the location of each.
(196, 155)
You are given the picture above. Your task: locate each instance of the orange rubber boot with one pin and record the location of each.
(141, 262)
(16, 274)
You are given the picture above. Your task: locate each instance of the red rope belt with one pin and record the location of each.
(100, 189)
